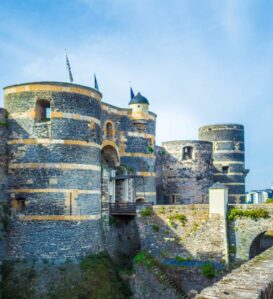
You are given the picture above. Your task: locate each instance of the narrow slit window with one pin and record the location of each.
(43, 111)
(225, 169)
(187, 153)
(109, 130)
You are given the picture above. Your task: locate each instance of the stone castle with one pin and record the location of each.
(69, 160)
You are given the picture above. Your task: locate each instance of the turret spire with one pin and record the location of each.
(96, 82)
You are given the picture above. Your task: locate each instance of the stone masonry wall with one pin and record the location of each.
(54, 173)
(185, 179)
(200, 237)
(228, 157)
(243, 231)
(134, 147)
(253, 280)
(3, 182)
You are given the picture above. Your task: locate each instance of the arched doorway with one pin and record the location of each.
(140, 201)
(262, 242)
(109, 157)
(109, 162)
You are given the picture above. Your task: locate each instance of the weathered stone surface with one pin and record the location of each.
(243, 231)
(252, 280)
(200, 237)
(228, 152)
(184, 180)
(146, 285)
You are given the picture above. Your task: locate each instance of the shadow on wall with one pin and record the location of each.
(262, 242)
(184, 174)
(183, 233)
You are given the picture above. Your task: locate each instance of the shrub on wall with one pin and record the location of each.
(146, 212)
(208, 270)
(177, 217)
(269, 200)
(155, 227)
(236, 213)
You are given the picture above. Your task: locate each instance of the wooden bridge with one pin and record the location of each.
(123, 208)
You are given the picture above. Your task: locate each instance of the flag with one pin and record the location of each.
(69, 69)
(132, 93)
(96, 82)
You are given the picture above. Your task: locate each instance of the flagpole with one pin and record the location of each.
(66, 78)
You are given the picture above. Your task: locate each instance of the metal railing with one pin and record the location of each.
(122, 208)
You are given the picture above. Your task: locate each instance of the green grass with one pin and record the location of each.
(236, 213)
(146, 212)
(208, 270)
(232, 249)
(144, 258)
(181, 218)
(155, 227)
(98, 279)
(95, 277)
(17, 284)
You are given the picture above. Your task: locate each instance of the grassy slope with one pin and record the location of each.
(94, 278)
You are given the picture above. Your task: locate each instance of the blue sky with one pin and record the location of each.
(198, 62)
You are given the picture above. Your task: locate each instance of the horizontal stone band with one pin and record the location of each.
(55, 114)
(138, 134)
(146, 194)
(120, 111)
(54, 141)
(65, 166)
(59, 217)
(229, 173)
(228, 162)
(143, 173)
(228, 151)
(234, 184)
(143, 155)
(51, 87)
(54, 191)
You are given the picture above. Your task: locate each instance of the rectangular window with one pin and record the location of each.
(225, 169)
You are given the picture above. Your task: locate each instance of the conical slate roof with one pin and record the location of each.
(139, 99)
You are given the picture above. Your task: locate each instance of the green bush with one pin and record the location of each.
(4, 124)
(208, 270)
(113, 221)
(150, 149)
(177, 217)
(146, 212)
(155, 227)
(182, 259)
(232, 249)
(144, 258)
(269, 200)
(236, 213)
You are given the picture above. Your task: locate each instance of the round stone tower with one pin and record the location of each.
(54, 169)
(187, 169)
(228, 157)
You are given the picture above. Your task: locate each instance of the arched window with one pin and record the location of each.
(187, 153)
(140, 201)
(109, 130)
(19, 204)
(42, 111)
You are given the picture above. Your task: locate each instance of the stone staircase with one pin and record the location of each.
(164, 278)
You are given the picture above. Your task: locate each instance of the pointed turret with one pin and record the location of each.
(96, 82)
(140, 106)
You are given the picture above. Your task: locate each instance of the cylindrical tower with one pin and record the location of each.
(3, 154)
(140, 147)
(54, 169)
(187, 170)
(228, 157)
(3, 182)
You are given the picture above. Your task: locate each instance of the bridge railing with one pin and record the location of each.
(122, 208)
